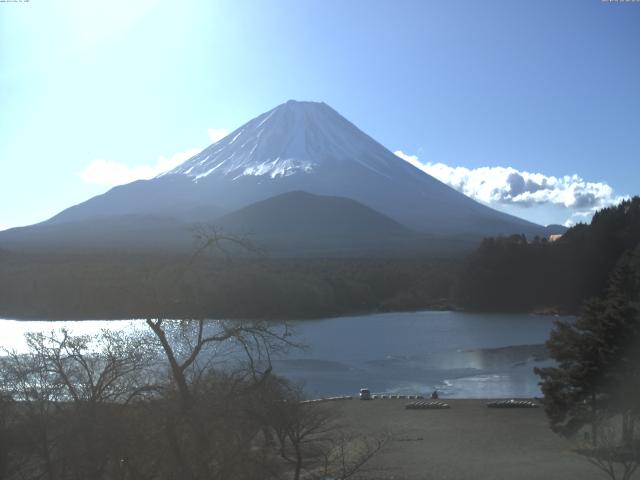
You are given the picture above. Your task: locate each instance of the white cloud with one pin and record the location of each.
(577, 217)
(508, 186)
(216, 134)
(111, 173)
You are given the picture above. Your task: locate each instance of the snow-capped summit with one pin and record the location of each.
(295, 137)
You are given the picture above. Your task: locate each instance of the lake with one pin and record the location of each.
(463, 355)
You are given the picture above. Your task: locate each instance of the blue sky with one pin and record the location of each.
(530, 106)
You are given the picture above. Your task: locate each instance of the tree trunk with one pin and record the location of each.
(296, 474)
(176, 372)
(627, 430)
(594, 422)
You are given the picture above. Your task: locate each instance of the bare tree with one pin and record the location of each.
(96, 407)
(71, 390)
(313, 442)
(215, 366)
(191, 346)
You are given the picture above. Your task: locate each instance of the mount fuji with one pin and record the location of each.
(303, 147)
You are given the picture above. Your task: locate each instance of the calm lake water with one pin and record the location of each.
(463, 355)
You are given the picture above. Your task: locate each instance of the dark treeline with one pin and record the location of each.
(126, 286)
(511, 273)
(504, 274)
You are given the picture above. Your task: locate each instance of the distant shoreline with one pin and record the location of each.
(448, 308)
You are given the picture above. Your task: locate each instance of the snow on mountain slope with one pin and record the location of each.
(295, 137)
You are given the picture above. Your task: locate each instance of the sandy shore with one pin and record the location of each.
(467, 441)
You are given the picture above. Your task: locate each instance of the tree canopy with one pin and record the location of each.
(518, 274)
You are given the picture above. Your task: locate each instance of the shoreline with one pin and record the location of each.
(409, 398)
(451, 308)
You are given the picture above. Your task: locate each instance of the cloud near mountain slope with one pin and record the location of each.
(112, 173)
(507, 186)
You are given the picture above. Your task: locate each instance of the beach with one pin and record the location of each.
(466, 441)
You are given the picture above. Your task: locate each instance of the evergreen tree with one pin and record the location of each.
(598, 360)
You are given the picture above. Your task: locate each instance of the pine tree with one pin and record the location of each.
(597, 375)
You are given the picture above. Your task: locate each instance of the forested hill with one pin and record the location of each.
(511, 274)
